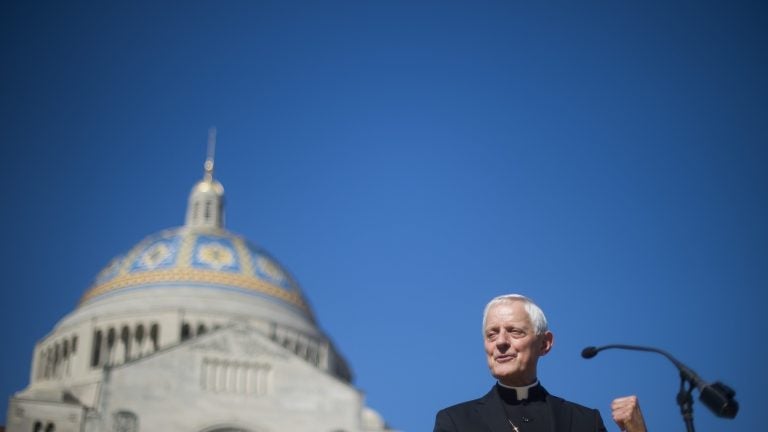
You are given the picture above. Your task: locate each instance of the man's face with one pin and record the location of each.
(511, 344)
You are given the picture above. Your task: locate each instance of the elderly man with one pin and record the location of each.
(515, 334)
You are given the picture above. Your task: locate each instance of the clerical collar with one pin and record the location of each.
(521, 392)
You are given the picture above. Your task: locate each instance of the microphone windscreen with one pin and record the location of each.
(589, 352)
(718, 397)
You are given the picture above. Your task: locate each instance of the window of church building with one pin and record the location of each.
(65, 349)
(125, 421)
(95, 357)
(207, 214)
(195, 210)
(110, 338)
(125, 339)
(56, 356)
(289, 343)
(41, 364)
(39, 370)
(185, 331)
(74, 344)
(154, 336)
(48, 361)
(223, 376)
(201, 330)
(139, 335)
(38, 427)
(50, 427)
(312, 356)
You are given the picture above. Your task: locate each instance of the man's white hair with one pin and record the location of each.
(538, 320)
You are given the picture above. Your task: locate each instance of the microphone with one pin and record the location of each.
(717, 396)
(589, 352)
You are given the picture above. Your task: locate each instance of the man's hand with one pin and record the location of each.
(627, 415)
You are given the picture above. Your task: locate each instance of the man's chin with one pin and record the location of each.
(505, 375)
(514, 378)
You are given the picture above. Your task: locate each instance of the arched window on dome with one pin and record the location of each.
(72, 354)
(65, 358)
(41, 364)
(111, 339)
(312, 355)
(201, 329)
(154, 336)
(186, 331)
(49, 363)
(50, 427)
(207, 213)
(38, 427)
(125, 340)
(40, 373)
(56, 358)
(138, 335)
(299, 348)
(96, 353)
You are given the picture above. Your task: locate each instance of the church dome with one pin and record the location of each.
(195, 301)
(198, 256)
(198, 260)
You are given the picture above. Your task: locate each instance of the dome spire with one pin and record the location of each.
(206, 201)
(208, 165)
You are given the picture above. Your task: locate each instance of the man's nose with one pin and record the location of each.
(502, 341)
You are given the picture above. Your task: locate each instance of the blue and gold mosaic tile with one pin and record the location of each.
(216, 253)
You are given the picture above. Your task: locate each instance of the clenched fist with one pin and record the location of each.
(627, 415)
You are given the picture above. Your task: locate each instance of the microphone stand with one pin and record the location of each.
(685, 400)
(717, 397)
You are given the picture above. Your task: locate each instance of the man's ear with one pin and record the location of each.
(547, 340)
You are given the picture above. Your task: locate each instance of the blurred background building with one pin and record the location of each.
(193, 329)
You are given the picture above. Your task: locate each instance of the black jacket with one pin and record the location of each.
(487, 415)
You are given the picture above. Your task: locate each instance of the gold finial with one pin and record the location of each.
(208, 166)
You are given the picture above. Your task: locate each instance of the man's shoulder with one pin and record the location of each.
(579, 414)
(470, 404)
(573, 405)
(463, 406)
(461, 416)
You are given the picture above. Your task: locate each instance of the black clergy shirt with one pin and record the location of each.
(532, 414)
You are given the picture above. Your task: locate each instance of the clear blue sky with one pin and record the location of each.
(407, 161)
